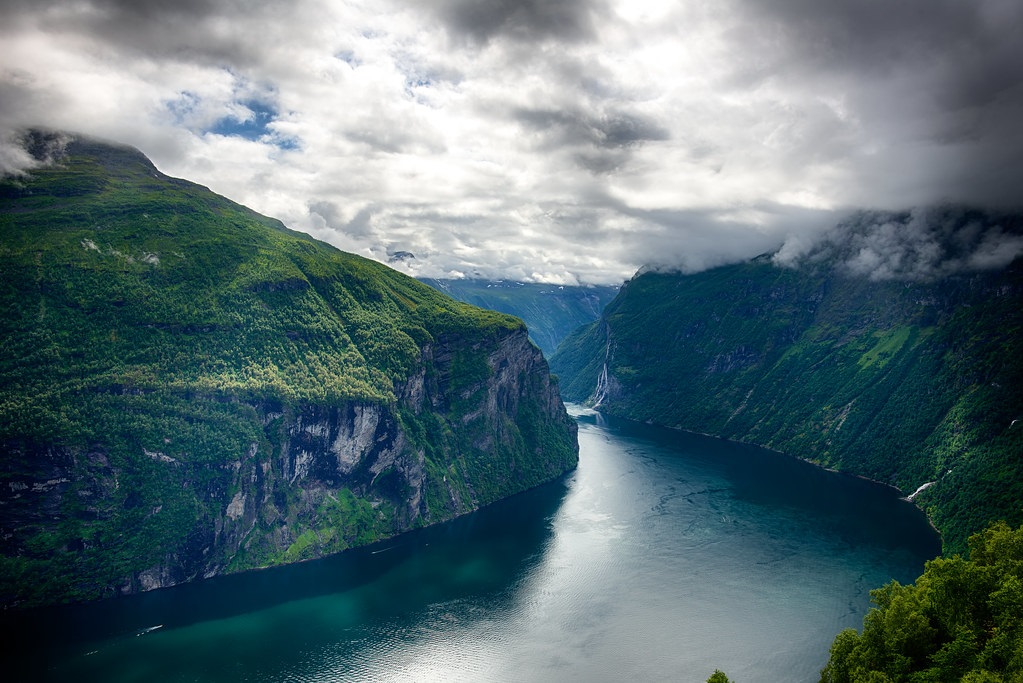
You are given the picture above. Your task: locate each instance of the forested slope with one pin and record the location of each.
(908, 376)
(189, 388)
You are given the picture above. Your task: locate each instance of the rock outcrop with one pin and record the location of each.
(329, 477)
(190, 389)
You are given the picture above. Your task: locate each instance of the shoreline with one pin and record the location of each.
(907, 498)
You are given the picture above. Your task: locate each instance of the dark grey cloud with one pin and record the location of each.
(945, 75)
(189, 30)
(874, 36)
(611, 130)
(333, 217)
(141, 8)
(918, 245)
(361, 224)
(19, 96)
(599, 143)
(523, 21)
(601, 161)
(623, 130)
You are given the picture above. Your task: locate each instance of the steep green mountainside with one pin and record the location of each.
(189, 388)
(551, 312)
(906, 381)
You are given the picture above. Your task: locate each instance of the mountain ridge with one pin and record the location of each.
(550, 311)
(191, 388)
(907, 382)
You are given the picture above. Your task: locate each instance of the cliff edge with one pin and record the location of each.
(191, 389)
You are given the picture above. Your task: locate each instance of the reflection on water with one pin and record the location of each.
(664, 556)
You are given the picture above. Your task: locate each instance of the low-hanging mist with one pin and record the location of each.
(925, 243)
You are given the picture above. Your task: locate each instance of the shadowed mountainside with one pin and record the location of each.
(911, 378)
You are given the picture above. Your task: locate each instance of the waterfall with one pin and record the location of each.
(601, 392)
(922, 488)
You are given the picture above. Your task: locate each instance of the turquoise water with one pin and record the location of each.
(663, 557)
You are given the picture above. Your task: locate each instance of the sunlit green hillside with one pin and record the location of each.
(169, 353)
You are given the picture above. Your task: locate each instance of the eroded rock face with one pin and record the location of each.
(331, 444)
(190, 388)
(322, 478)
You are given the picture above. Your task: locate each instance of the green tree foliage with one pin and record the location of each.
(961, 621)
(718, 677)
(904, 382)
(158, 340)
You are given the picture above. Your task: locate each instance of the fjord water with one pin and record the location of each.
(662, 557)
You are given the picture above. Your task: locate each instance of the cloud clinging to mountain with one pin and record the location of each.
(918, 245)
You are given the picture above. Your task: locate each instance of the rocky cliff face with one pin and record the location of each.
(316, 479)
(335, 476)
(190, 389)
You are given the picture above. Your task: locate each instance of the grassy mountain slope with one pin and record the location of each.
(551, 312)
(189, 388)
(906, 382)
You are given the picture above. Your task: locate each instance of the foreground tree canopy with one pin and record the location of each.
(961, 621)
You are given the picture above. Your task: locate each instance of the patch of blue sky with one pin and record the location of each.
(349, 57)
(416, 84)
(251, 119)
(184, 106)
(254, 125)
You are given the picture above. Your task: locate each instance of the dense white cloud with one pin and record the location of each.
(569, 142)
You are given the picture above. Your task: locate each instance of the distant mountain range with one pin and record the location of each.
(550, 312)
(891, 349)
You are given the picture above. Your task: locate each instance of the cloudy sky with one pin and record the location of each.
(566, 141)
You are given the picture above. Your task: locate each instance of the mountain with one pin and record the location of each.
(901, 363)
(551, 312)
(189, 388)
